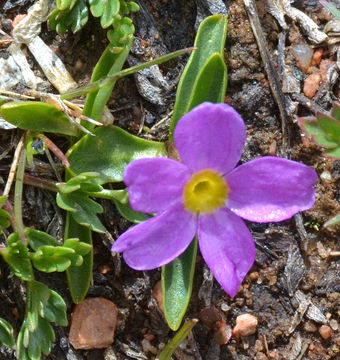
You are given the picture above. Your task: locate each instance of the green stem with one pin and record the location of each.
(111, 79)
(19, 182)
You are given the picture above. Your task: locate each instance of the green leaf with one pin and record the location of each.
(31, 345)
(54, 310)
(37, 238)
(324, 130)
(106, 10)
(209, 40)
(79, 277)
(61, 20)
(109, 152)
(52, 258)
(108, 64)
(41, 340)
(37, 116)
(132, 6)
(6, 334)
(59, 258)
(82, 208)
(121, 34)
(177, 340)
(177, 279)
(84, 181)
(335, 111)
(37, 294)
(311, 128)
(129, 214)
(79, 247)
(17, 257)
(211, 82)
(65, 4)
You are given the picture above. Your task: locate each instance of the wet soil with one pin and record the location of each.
(293, 288)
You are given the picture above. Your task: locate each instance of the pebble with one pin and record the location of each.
(93, 324)
(310, 327)
(316, 59)
(311, 85)
(245, 325)
(326, 175)
(325, 332)
(254, 276)
(303, 55)
(334, 325)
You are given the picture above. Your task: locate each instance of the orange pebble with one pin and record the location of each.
(311, 85)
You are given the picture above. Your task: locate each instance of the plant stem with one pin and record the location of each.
(40, 183)
(19, 182)
(111, 79)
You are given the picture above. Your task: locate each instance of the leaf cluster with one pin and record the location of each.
(44, 305)
(36, 334)
(73, 197)
(324, 130)
(73, 15)
(47, 255)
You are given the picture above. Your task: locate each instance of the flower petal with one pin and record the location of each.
(227, 247)
(210, 136)
(270, 189)
(154, 184)
(159, 240)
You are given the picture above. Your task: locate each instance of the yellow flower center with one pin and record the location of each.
(205, 192)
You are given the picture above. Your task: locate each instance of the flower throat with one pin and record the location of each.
(205, 192)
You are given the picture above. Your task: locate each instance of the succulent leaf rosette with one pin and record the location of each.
(205, 194)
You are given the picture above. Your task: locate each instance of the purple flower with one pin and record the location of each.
(206, 195)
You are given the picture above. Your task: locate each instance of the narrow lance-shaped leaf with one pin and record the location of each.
(211, 82)
(209, 40)
(177, 278)
(203, 79)
(79, 277)
(108, 64)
